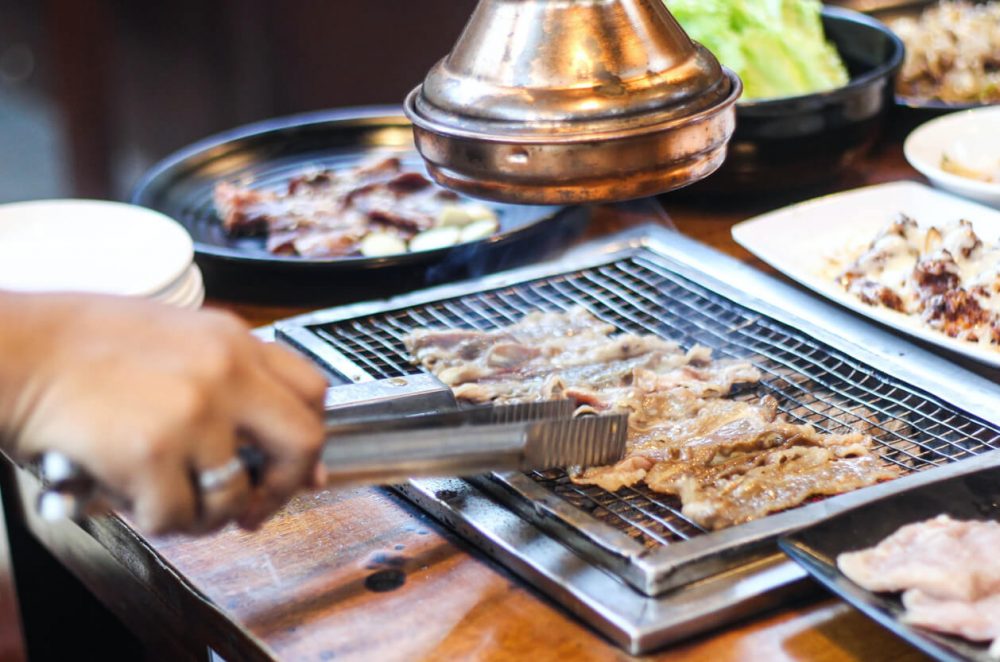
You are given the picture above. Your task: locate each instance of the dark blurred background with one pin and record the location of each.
(92, 92)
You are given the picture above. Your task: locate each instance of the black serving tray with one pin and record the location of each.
(972, 496)
(267, 154)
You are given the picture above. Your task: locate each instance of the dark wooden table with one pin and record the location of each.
(362, 575)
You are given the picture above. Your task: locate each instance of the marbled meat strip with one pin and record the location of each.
(326, 213)
(947, 571)
(978, 620)
(728, 460)
(943, 557)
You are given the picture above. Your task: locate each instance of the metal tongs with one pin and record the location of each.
(418, 432)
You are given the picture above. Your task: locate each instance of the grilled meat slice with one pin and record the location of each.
(687, 435)
(947, 277)
(748, 486)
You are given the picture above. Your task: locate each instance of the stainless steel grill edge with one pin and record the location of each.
(629, 279)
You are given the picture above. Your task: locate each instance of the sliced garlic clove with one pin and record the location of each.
(453, 216)
(932, 240)
(380, 244)
(477, 212)
(461, 215)
(435, 238)
(479, 230)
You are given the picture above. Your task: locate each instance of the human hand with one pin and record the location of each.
(145, 397)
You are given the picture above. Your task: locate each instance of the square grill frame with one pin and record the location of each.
(658, 570)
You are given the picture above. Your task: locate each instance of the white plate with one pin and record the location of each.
(90, 246)
(183, 288)
(193, 302)
(974, 133)
(182, 284)
(802, 241)
(193, 293)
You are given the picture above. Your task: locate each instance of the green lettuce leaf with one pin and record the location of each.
(776, 46)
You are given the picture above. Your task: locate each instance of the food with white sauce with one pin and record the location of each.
(948, 277)
(374, 210)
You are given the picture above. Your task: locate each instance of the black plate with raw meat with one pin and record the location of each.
(974, 496)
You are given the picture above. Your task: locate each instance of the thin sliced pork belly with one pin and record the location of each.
(675, 434)
(714, 379)
(948, 570)
(628, 472)
(328, 213)
(978, 620)
(943, 557)
(686, 437)
(750, 486)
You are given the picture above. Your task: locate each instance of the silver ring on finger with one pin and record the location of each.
(218, 478)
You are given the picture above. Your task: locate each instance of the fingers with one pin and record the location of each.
(148, 397)
(302, 376)
(295, 372)
(229, 500)
(319, 475)
(165, 501)
(289, 432)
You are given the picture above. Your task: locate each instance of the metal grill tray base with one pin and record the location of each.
(652, 280)
(636, 622)
(633, 621)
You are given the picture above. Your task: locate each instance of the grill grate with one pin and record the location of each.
(812, 382)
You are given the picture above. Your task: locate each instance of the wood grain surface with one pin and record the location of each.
(362, 575)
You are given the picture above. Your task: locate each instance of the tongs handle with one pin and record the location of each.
(384, 458)
(378, 458)
(69, 492)
(359, 444)
(392, 456)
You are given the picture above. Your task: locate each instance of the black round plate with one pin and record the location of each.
(268, 154)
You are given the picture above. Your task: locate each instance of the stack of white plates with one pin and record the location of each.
(97, 246)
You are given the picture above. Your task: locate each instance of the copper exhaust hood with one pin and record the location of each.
(570, 101)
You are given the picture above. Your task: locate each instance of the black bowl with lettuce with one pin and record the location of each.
(805, 140)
